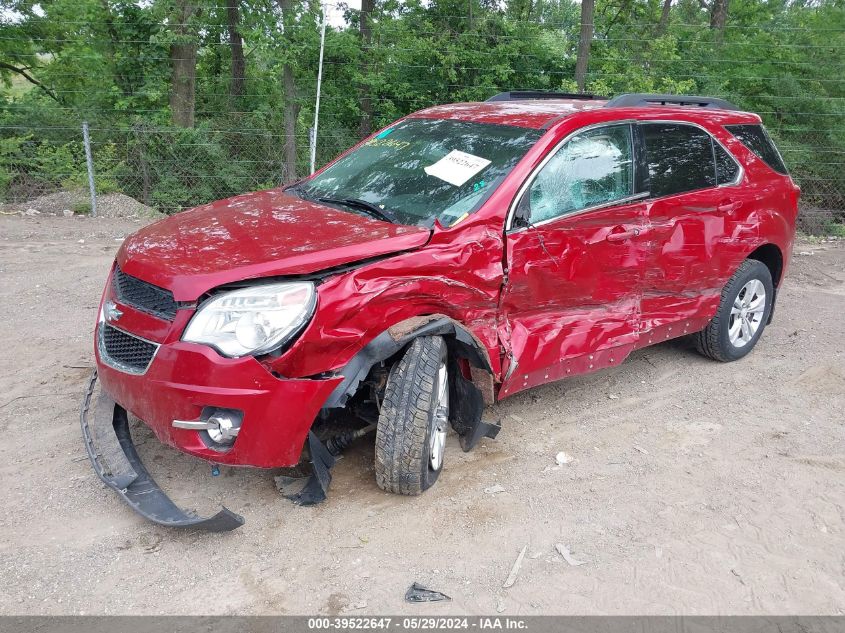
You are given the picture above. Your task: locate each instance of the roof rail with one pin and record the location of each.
(638, 100)
(531, 95)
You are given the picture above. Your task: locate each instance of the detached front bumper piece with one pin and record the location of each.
(105, 429)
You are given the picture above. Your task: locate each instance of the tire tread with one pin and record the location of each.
(401, 436)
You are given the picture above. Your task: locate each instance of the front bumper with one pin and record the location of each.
(105, 429)
(184, 378)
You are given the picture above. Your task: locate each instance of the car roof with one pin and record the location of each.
(542, 114)
(530, 113)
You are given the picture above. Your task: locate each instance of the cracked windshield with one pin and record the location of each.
(420, 170)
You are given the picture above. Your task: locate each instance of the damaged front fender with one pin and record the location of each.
(468, 395)
(393, 340)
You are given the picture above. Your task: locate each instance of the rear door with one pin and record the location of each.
(694, 197)
(571, 299)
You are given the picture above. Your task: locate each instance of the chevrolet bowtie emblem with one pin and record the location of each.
(113, 313)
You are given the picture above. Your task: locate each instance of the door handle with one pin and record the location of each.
(728, 206)
(621, 236)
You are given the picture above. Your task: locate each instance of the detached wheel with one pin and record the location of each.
(411, 433)
(743, 312)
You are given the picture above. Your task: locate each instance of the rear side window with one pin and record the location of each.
(755, 138)
(679, 158)
(726, 168)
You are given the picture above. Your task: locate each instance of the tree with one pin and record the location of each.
(291, 107)
(183, 61)
(365, 125)
(664, 17)
(719, 16)
(584, 43)
(236, 46)
(24, 72)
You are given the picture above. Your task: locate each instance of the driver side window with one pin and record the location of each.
(592, 168)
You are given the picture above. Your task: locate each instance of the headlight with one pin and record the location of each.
(253, 320)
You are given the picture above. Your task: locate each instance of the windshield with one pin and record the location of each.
(422, 169)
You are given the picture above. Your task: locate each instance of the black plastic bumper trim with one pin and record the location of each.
(117, 464)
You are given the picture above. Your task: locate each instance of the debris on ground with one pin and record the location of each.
(563, 550)
(563, 458)
(613, 396)
(640, 449)
(515, 569)
(417, 593)
(62, 203)
(491, 490)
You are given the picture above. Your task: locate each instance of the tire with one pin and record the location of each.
(411, 414)
(718, 340)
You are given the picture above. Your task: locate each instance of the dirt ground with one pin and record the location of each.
(695, 487)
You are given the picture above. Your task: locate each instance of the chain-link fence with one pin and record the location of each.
(230, 150)
(170, 169)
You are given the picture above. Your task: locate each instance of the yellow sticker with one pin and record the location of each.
(460, 219)
(388, 142)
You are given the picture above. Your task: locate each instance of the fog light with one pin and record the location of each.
(220, 425)
(226, 427)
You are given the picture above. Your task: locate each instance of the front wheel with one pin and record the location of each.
(411, 432)
(742, 316)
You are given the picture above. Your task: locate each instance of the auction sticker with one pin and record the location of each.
(457, 167)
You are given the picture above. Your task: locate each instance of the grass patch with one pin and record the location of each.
(835, 229)
(81, 208)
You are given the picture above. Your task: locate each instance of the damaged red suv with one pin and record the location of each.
(460, 255)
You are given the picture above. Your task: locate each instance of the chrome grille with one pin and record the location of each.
(144, 296)
(124, 351)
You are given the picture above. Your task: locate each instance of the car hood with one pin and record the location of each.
(261, 234)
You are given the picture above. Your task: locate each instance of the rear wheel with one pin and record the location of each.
(743, 312)
(414, 418)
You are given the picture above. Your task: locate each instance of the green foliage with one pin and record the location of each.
(29, 165)
(836, 229)
(109, 62)
(82, 208)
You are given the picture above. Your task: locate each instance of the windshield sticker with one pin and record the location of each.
(384, 133)
(460, 219)
(457, 167)
(388, 142)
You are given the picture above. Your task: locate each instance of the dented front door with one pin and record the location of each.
(574, 256)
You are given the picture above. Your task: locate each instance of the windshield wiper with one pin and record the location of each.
(299, 189)
(362, 205)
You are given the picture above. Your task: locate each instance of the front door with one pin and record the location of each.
(575, 252)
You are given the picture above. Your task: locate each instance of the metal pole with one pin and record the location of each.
(90, 161)
(319, 84)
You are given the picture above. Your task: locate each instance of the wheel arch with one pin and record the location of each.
(771, 255)
(461, 343)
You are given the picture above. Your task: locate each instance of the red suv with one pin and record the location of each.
(458, 256)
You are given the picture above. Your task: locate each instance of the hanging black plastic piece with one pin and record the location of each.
(317, 484)
(105, 430)
(467, 407)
